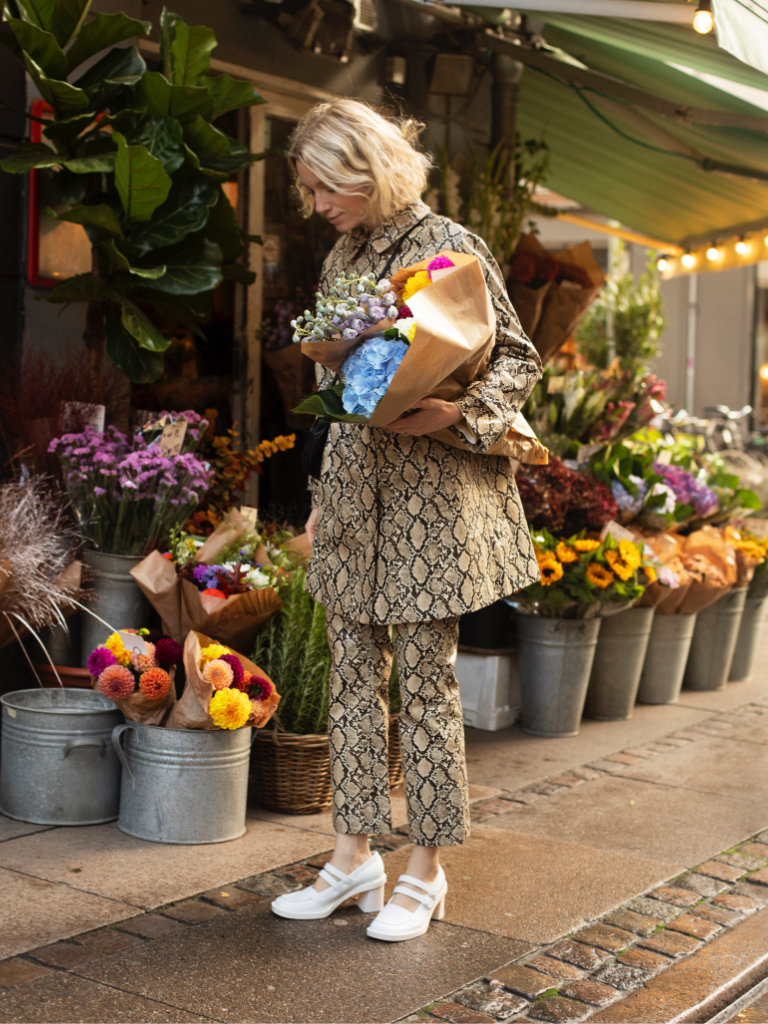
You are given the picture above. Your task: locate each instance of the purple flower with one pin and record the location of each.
(237, 669)
(167, 652)
(439, 263)
(99, 659)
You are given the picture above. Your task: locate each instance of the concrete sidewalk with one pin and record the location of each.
(618, 875)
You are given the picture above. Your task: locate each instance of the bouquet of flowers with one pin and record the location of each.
(136, 673)
(562, 500)
(227, 585)
(224, 690)
(697, 570)
(428, 331)
(584, 576)
(128, 494)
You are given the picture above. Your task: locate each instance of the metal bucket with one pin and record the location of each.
(750, 629)
(113, 595)
(665, 658)
(182, 786)
(714, 641)
(57, 765)
(619, 658)
(555, 659)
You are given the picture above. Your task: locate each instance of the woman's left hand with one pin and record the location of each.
(432, 414)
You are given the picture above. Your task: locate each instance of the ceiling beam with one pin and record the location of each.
(637, 10)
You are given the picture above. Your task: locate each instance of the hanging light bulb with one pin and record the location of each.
(703, 20)
(713, 252)
(688, 260)
(742, 246)
(662, 263)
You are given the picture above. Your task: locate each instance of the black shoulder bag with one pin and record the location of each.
(317, 435)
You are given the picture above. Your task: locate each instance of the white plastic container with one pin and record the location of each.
(490, 689)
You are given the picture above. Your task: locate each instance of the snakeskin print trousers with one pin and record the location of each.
(431, 728)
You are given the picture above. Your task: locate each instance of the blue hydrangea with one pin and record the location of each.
(368, 371)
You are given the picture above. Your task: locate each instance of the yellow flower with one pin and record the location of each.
(566, 553)
(549, 567)
(230, 709)
(650, 573)
(619, 566)
(585, 544)
(212, 651)
(599, 576)
(415, 283)
(630, 553)
(115, 644)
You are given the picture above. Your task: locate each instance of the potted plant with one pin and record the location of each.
(291, 761)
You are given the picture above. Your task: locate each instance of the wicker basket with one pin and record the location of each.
(292, 773)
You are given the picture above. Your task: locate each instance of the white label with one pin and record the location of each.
(617, 531)
(172, 437)
(250, 515)
(133, 642)
(664, 457)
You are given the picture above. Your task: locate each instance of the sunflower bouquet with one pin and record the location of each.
(136, 672)
(223, 689)
(584, 576)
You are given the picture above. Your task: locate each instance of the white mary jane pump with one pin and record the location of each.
(394, 923)
(308, 904)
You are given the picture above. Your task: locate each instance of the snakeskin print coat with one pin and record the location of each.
(411, 529)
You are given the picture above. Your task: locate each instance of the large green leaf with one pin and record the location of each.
(327, 406)
(185, 212)
(138, 364)
(59, 17)
(95, 163)
(81, 288)
(65, 132)
(67, 100)
(103, 31)
(142, 330)
(162, 99)
(191, 268)
(28, 156)
(216, 151)
(230, 93)
(163, 138)
(141, 180)
(121, 67)
(190, 53)
(41, 46)
(99, 216)
(237, 272)
(187, 309)
(111, 258)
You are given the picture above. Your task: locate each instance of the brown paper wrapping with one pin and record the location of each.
(450, 349)
(191, 709)
(159, 583)
(706, 564)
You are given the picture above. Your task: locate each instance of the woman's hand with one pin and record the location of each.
(433, 414)
(311, 525)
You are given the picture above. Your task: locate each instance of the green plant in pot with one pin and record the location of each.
(291, 761)
(138, 161)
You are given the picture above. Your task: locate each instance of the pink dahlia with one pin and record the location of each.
(116, 682)
(259, 688)
(218, 673)
(99, 659)
(439, 263)
(237, 669)
(167, 652)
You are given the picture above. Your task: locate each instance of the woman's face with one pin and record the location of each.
(342, 210)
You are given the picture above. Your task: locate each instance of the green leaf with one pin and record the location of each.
(138, 364)
(141, 180)
(237, 272)
(190, 269)
(103, 31)
(113, 258)
(229, 94)
(98, 216)
(162, 99)
(65, 132)
(164, 139)
(67, 100)
(121, 67)
(142, 330)
(98, 163)
(190, 53)
(187, 310)
(59, 17)
(28, 156)
(41, 46)
(204, 139)
(185, 212)
(327, 405)
(81, 288)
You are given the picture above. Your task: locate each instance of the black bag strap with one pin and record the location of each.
(399, 244)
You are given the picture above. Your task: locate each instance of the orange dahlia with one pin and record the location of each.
(155, 683)
(218, 673)
(116, 682)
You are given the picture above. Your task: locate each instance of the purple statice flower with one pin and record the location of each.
(99, 659)
(368, 371)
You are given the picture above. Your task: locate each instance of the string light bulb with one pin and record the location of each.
(662, 263)
(703, 19)
(742, 246)
(713, 252)
(688, 260)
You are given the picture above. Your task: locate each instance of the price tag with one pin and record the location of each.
(250, 515)
(664, 457)
(617, 531)
(585, 452)
(133, 642)
(556, 385)
(172, 437)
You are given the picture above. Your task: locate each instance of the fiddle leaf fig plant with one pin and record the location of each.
(138, 160)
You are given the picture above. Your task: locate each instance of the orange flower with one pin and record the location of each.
(549, 567)
(619, 566)
(566, 553)
(218, 673)
(155, 683)
(585, 544)
(116, 682)
(599, 576)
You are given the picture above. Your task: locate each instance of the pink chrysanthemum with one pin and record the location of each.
(259, 688)
(439, 263)
(116, 682)
(237, 669)
(144, 662)
(99, 659)
(218, 673)
(167, 652)
(155, 683)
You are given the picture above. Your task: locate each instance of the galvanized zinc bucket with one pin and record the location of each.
(714, 641)
(621, 647)
(182, 786)
(747, 642)
(665, 658)
(57, 765)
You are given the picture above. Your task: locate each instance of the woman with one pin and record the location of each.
(407, 533)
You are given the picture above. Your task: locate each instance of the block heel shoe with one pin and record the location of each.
(395, 924)
(308, 904)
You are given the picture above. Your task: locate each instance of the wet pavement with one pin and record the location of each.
(617, 875)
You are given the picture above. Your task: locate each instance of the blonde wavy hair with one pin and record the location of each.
(355, 150)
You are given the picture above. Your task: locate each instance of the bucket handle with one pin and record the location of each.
(117, 733)
(75, 744)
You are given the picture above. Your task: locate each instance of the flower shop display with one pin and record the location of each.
(427, 331)
(136, 673)
(563, 501)
(551, 292)
(226, 585)
(223, 689)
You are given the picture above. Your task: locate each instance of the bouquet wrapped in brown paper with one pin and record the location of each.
(711, 561)
(224, 690)
(235, 609)
(668, 590)
(551, 292)
(136, 673)
(430, 335)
